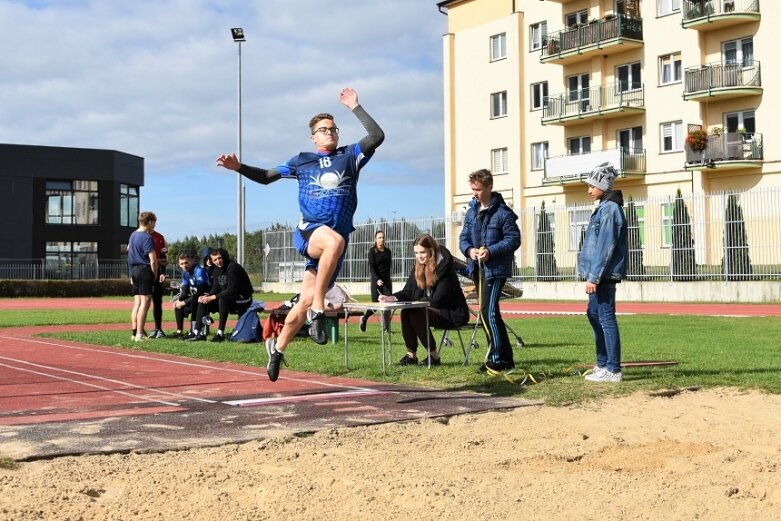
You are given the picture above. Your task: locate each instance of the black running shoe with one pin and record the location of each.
(481, 368)
(500, 367)
(406, 360)
(317, 329)
(434, 361)
(195, 338)
(275, 359)
(218, 337)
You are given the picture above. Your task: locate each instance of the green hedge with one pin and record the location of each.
(64, 288)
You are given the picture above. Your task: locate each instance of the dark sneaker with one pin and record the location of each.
(218, 338)
(405, 360)
(176, 334)
(195, 338)
(434, 361)
(275, 359)
(500, 367)
(317, 329)
(362, 325)
(158, 333)
(481, 368)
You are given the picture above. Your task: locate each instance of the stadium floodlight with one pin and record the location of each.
(238, 36)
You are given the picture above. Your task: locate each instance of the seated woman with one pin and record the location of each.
(433, 279)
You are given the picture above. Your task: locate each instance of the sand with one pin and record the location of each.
(704, 455)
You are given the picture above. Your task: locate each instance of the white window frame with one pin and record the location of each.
(666, 7)
(578, 222)
(667, 213)
(630, 80)
(631, 132)
(578, 17)
(499, 160)
(673, 130)
(539, 91)
(499, 104)
(498, 47)
(580, 140)
(740, 59)
(672, 63)
(538, 155)
(538, 35)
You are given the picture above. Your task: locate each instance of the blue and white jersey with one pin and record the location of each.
(327, 186)
(197, 280)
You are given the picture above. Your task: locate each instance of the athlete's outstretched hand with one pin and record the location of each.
(231, 162)
(349, 98)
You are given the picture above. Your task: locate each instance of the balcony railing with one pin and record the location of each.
(575, 168)
(726, 149)
(593, 35)
(603, 101)
(711, 14)
(727, 79)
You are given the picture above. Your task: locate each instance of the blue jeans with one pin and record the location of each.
(602, 315)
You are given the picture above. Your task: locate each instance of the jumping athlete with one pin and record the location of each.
(327, 198)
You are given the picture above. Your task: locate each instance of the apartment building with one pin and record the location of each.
(674, 93)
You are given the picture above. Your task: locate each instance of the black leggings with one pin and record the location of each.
(181, 314)
(413, 327)
(157, 302)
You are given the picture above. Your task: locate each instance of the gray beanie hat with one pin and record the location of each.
(602, 177)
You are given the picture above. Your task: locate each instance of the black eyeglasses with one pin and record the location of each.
(325, 130)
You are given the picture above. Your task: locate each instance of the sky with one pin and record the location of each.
(159, 79)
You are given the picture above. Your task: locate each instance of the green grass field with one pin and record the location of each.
(710, 351)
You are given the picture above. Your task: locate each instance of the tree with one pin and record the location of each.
(546, 260)
(683, 263)
(635, 266)
(736, 263)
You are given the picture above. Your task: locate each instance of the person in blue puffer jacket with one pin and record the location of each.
(602, 264)
(489, 238)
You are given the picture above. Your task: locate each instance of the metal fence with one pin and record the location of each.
(704, 236)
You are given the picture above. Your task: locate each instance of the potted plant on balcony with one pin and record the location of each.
(697, 140)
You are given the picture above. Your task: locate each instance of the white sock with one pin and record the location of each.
(219, 331)
(196, 332)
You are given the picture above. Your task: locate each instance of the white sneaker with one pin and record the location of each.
(595, 370)
(603, 375)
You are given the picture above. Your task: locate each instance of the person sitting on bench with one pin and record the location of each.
(433, 279)
(231, 292)
(195, 283)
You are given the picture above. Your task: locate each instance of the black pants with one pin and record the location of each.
(225, 306)
(157, 302)
(500, 350)
(413, 327)
(181, 314)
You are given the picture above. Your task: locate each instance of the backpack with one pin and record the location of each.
(248, 328)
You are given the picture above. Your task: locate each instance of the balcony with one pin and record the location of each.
(578, 106)
(599, 37)
(722, 81)
(574, 169)
(729, 151)
(709, 15)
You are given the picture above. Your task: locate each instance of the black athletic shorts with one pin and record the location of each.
(143, 279)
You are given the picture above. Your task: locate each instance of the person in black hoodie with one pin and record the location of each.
(433, 279)
(231, 293)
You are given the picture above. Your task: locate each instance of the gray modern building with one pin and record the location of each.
(67, 207)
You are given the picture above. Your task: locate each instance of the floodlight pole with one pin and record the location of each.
(239, 38)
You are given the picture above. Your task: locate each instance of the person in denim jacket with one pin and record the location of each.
(489, 238)
(602, 264)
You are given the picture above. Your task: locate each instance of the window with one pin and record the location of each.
(667, 224)
(670, 69)
(580, 145)
(630, 139)
(578, 223)
(128, 205)
(640, 214)
(538, 35)
(498, 104)
(539, 153)
(669, 6)
(628, 77)
(578, 91)
(740, 121)
(574, 19)
(72, 202)
(539, 95)
(498, 47)
(66, 260)
(739, 52)
(499, 161)
(672, 136)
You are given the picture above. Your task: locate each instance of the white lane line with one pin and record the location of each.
(87, 384)
(302, 398)
(114, 351)
(99, 378)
